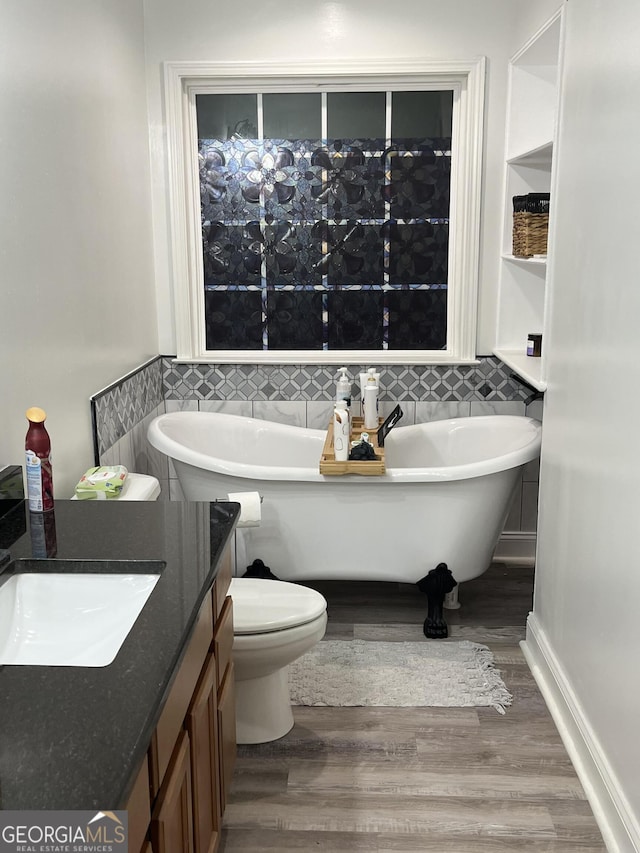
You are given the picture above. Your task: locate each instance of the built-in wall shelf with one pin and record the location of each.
(529, 167)
(539, 156)
(526, 366)
(531, 261)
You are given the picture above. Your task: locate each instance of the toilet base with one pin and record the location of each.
(263, 708)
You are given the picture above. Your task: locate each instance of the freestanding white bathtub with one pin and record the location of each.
(444, 497)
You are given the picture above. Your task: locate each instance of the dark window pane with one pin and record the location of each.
(292, 254)
(233, 319)
(418, 254)
(348, 181)
(227, 116)
(295, 115)
(420, 180)
(355, 319)
(352, 253)
(231, 253)
(356, 115)
(294, 319)
(229, 183)
(417, 319)
(288, 179)
(421, 114)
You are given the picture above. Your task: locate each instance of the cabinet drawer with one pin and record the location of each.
(221, 583)
(172, 718)
(223, 639)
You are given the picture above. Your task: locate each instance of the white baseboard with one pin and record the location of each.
(619, 827)
(516, 548)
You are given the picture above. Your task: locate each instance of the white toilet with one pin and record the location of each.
(275, 622)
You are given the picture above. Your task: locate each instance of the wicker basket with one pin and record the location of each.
(530, 224)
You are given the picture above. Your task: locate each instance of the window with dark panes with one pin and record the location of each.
(325, 219)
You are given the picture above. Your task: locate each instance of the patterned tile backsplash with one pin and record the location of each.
(489, 380)
(116, 410)
(301, 395)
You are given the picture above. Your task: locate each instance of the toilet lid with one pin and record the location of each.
(261, 606)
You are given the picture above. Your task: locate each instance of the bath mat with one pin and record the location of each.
(432, 673)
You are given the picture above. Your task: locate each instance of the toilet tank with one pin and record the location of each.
(137, 487)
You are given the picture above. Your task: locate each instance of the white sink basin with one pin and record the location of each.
(55, 619)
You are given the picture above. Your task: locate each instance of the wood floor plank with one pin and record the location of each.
(413, 779)
(391, 813)
(296, 841)
(436, 843)
(268, 841)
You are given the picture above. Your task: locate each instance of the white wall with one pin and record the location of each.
(77, 301)
(531, 17)
(335, 29)
(587, 596)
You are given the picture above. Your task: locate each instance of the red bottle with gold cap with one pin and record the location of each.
(38, 461)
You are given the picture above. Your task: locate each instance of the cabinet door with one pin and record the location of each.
(202, 725)
(139, 808)
(172, 820)
(223, 639)
(227, 733)
(221, 583)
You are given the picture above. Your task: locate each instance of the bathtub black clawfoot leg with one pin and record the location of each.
(257, 569)
(436, 584)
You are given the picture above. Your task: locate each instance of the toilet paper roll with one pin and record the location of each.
(250, 509)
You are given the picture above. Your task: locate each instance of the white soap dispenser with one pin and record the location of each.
(343, 387)
(370, 402)
(341, 431)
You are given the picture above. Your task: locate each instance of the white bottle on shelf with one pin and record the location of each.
(341, 431)
(343, 387)
(364, 378)
(370, 403)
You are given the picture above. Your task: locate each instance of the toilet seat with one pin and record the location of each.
(265, 606)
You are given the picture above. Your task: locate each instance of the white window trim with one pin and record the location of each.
(182, 80)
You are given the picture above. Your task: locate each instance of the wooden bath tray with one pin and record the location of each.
(370, 467)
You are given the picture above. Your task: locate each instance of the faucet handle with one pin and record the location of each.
(388, 425)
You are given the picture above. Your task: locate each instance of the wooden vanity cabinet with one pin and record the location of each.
(192, 752)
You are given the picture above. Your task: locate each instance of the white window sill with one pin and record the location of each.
(337, 357)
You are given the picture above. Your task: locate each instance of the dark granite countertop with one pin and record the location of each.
(74, 737)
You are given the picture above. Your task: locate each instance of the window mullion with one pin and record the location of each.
(387, 216)
(325, 116)
(260, 116)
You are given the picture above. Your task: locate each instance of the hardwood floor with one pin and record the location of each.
(424, 780)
